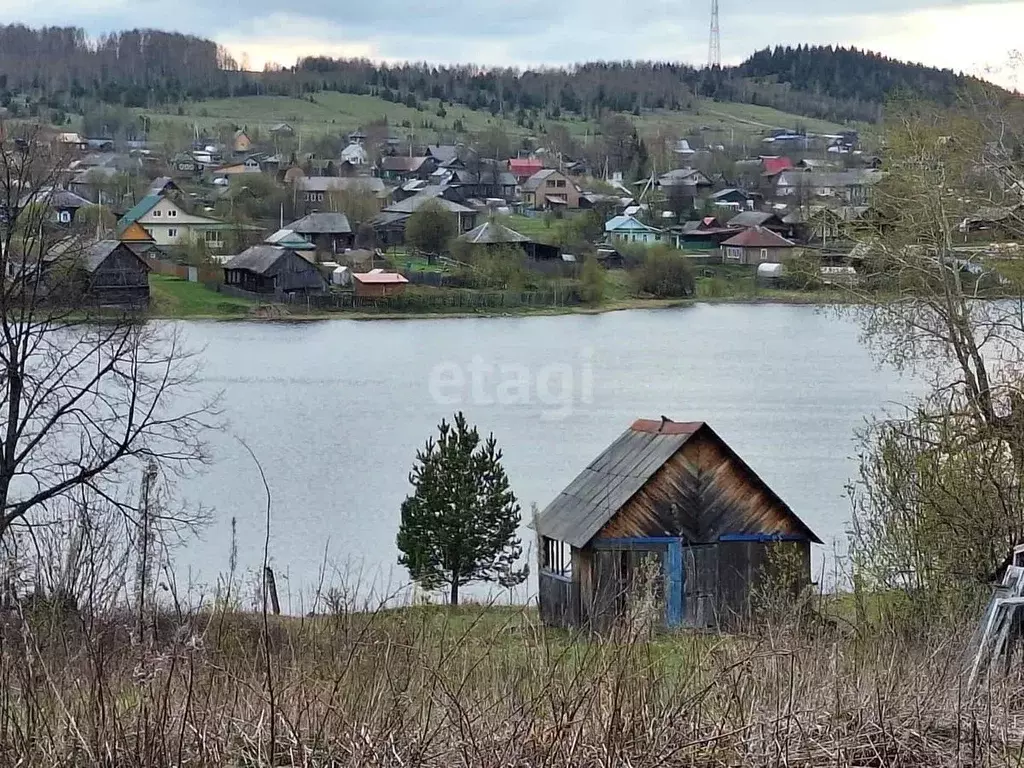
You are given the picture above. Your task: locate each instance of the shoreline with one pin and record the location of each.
(811, 299)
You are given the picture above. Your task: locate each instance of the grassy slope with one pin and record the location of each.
(173, 297)
(334, 113)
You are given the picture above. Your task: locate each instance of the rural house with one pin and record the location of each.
(494, 236)
(271, 270)
(755, 246)
(627, 229)
(764, 219)
(524, 167)
(169, 225)
(327, 231)
(102, 273)
(671, 502)
(324, 193)
(241, 143)
(550, 188)
(399, 168)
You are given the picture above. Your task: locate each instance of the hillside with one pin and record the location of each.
(61, 70)
(332, 113)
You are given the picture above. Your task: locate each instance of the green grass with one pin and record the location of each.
(335, 113)
(173, 297)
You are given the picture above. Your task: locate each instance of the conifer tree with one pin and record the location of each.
(460, 523)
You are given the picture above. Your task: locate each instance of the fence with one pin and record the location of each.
(454, 301)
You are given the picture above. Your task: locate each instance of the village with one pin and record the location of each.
(255, 219)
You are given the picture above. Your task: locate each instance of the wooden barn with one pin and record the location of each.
(673, 498)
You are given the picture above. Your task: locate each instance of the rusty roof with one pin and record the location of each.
(596, 495)
(758, 237)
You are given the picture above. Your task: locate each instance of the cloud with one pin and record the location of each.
(954, 33)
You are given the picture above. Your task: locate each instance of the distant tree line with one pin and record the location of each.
(65, 70)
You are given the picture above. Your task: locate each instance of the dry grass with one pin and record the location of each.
(485, 687)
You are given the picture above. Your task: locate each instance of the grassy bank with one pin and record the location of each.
(486, 687)
(172, 297)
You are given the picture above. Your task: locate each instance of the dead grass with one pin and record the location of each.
(485, 687)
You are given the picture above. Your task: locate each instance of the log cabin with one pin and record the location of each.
(674, 498)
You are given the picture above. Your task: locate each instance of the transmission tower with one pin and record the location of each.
(714, 39)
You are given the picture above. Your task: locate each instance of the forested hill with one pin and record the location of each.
(848, 73)
(63, 70)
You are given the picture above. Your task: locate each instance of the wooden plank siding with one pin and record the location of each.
(700, 493)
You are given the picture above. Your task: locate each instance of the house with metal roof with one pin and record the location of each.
(268, 269)
(756, 245)
(492, 235)
(328, 231)
(669, 513)
(170, 225)
(629, 229)
(84, 273)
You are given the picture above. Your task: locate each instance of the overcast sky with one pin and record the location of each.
(977, 37)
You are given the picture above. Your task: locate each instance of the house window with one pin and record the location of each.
(64, 217)
(560, 183)
(172, 232)
(172, 213)
(157, 214)
(734, 254)
(557, 557)
(319, 197)
(764, 254)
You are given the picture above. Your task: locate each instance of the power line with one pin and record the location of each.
(714, 39)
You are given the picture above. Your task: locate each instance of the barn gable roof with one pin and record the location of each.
(590, 501)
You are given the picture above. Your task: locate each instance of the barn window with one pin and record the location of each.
(557, 557)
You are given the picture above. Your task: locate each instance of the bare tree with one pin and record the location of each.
(88, 394)
(930, 305)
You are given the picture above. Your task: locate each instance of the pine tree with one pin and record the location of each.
(460, 524)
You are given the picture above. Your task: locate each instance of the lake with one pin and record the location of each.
(336, 410)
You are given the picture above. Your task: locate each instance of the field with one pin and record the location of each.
(329, 112)
(488, 687)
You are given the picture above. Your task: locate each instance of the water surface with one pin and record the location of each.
(335, 410)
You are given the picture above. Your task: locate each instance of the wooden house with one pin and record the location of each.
(83, 273)
(673, 497)
(269, 269)
(755, 246)
(326, 231)
(491, 236)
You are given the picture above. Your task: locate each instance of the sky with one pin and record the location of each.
(976, 37)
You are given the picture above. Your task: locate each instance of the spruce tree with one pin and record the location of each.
(460, 523)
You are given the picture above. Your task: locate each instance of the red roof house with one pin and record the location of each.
(754, 246)
(773, 166)
(524, 167)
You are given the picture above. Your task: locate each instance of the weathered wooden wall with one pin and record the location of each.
(700, 493)
(559, 601)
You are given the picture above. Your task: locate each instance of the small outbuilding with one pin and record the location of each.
(672, 500)
(378, 284)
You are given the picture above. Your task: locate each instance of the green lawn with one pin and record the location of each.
(335, 113)
(173, 297)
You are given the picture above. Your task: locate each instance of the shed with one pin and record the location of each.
(676, 497)
(379, 284)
